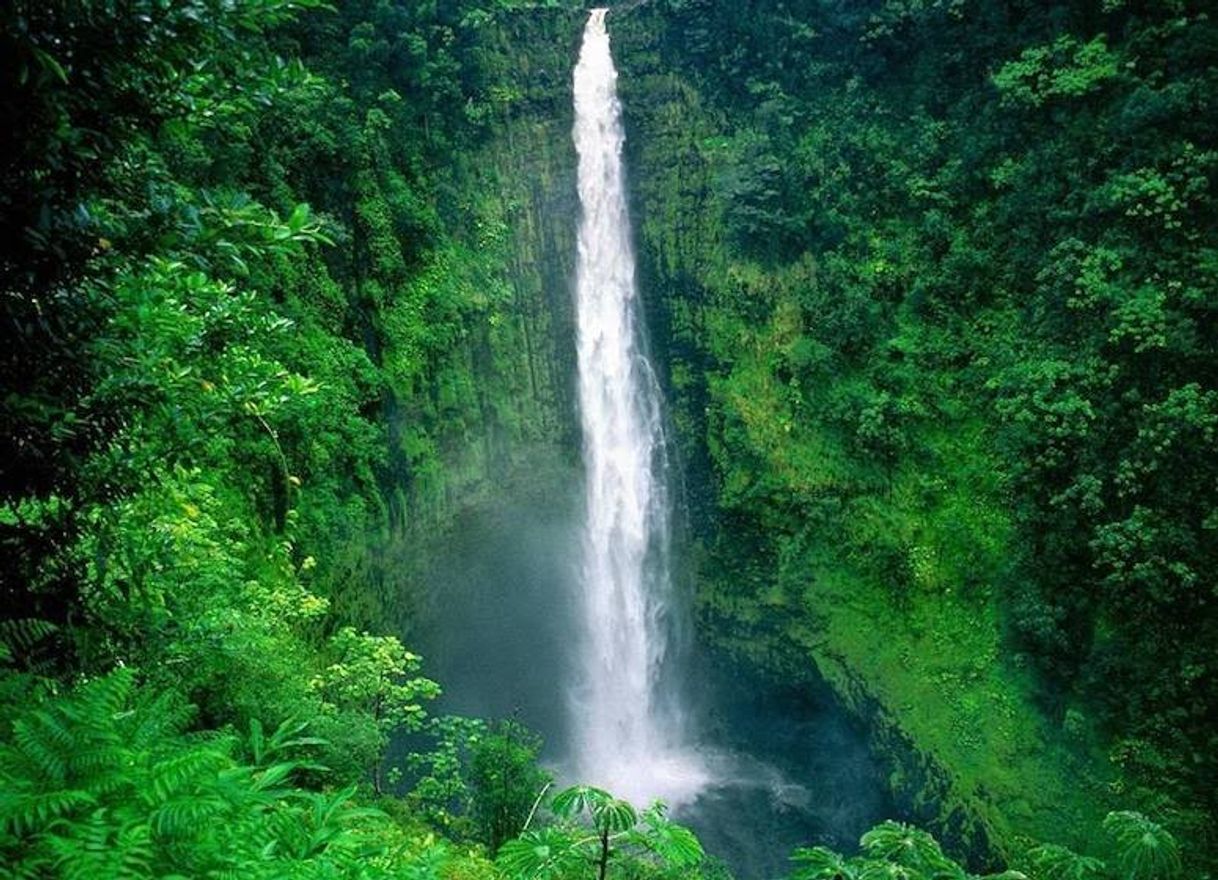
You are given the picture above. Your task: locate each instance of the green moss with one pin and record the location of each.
(860, 523)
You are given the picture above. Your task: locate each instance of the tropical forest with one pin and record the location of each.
(635, 440)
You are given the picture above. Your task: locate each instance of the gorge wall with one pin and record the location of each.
(851, 297)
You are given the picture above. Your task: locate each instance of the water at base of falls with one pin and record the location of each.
(628, 736)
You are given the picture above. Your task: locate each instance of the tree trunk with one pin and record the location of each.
(603, 864)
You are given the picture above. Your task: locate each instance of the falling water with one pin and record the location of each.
(627, 737)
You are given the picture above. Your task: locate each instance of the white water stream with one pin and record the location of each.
(628, 738)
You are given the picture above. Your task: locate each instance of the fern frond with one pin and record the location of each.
(186, 813)
(19, 636)
(135, 847)
(156, 719)
(92, 760)
(38, 737)
(186, 770)
(104, 698)
(84, 847)
(28, 813)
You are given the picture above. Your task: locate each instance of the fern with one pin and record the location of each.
(22, 635)
(104, 697)
(187, 770)
(156, 719)
(25, 813)
(184, 814)
(93, 788)
(43, 743)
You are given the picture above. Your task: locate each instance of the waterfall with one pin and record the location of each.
(628, 738)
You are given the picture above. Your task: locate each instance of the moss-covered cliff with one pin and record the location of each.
(476, 336)
(906, 447)
(820, 557)
(836, 274)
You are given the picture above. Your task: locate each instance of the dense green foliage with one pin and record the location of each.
(104, 784)
(256, 327)
(282, 286)
(610, 830)
(938, 291)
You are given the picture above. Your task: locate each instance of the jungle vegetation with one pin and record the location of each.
(939, 282)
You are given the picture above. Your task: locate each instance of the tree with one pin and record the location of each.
(374, 677)
(594, 830)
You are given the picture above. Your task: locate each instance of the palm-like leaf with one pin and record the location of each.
(570, 802)
(673, 843)
(1146, 850)
(609, 814)
(911, 849)
(614, 816)
(545, 854)
(822, 863)
(1054, 862)
(876, 869)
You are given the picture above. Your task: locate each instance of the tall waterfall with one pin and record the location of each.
(627, 738)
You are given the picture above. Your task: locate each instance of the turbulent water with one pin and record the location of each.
(628, 736)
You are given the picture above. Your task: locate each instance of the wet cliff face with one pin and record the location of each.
(485, 411)
(767, 485)
(501, 391)
(871, 559)
(834, 539)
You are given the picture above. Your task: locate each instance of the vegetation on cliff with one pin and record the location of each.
(937, 291)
